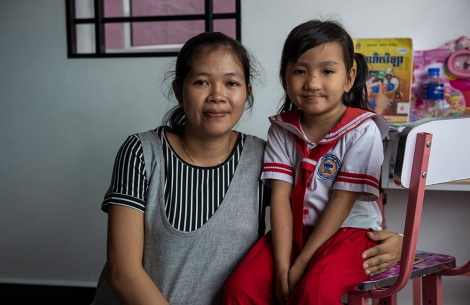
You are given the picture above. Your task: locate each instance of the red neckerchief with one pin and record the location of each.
(351, 119)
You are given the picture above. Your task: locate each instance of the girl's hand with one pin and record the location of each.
(281, 287)
(295, 275)
(383, 256)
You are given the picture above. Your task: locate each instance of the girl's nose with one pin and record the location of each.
(312, 82)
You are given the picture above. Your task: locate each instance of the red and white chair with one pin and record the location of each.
(420, 162)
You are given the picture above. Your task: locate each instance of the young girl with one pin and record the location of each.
(323, 161)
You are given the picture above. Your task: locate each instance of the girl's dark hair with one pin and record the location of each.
(313, 33)
(201, 45)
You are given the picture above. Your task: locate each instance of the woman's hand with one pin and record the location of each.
(383, 256)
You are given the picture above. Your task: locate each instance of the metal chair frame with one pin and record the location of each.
(414, 169)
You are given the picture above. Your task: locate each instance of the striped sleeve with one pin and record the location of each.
(277, 160)
(128, 183)
(362, 163)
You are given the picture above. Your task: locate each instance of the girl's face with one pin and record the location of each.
(317, 81)
(214, 94)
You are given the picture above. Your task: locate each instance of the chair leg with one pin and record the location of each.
(357, 300)
(381, 204)
(417, 291)
(432, 289)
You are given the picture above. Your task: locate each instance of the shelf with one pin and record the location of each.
(463, 186)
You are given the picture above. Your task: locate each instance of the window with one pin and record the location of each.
(136, 28)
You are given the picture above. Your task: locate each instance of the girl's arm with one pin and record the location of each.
(329, 223)
(281, 229)
(125, 251)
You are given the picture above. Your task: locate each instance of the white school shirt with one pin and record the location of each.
(356, 158)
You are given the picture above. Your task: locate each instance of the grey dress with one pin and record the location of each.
(192, 267)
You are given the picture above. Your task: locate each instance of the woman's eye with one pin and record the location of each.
(233, 84)
(200, 82)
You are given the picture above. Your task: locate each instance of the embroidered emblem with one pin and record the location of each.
(329, 167)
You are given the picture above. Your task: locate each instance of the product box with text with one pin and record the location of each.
(390, 63)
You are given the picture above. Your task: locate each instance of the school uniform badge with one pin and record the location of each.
(329, 167)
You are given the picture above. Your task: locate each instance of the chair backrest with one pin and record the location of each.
(449, 151)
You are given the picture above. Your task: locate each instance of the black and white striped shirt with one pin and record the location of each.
(192, 194)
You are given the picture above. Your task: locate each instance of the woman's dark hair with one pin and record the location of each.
(201, 45)
(313, 33)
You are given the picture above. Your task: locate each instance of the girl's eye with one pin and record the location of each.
(327, 72)
(299, 71)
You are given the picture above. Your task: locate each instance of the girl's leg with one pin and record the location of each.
(334, 269)
(252, 280)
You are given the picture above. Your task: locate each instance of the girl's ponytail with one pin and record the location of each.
(357, 95)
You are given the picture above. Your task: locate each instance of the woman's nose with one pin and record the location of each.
(217, 93)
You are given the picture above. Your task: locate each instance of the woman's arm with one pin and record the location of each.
(383, 256)
(329, 223)
(281, 229)
(125, 251)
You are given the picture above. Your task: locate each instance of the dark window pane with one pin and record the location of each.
(226, 26)
(224, 6)
(167, 7)
(168, 32)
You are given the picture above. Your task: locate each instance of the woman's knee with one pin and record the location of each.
(245, 289)
(236, 285)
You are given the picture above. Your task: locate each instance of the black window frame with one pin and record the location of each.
(99, 21)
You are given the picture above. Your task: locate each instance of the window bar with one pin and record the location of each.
(71, 28)
(152, 18)
(208, 7)
(99, 27)
(131, 25)
(238, 20)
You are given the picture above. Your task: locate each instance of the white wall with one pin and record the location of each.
(62, 121)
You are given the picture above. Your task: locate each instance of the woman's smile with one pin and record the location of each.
(216, 113)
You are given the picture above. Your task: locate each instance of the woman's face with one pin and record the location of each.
(214, 93)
